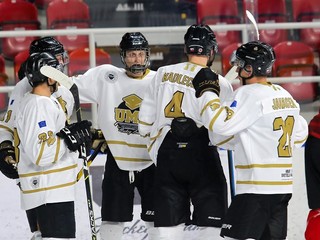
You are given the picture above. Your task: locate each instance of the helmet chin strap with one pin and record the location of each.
(53, 87)
(244, 79)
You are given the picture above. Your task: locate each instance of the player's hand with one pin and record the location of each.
(77, 134)
(98, 140)
(206, 80)
(313, 225)
(8, 160)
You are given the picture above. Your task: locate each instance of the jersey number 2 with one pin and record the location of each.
(284, 146)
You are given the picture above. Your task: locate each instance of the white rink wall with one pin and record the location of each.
(14, 225)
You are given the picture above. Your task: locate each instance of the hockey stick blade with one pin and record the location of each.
(57, 75)
(231, 74)
(253, 21)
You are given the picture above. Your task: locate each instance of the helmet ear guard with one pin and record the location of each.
(135, 41)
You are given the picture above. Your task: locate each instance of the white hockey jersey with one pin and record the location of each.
(47, 169)
(118, 97)
(264, 123)
(172, 95)
(63, 95)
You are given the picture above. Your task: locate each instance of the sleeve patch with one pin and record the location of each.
(42, 124)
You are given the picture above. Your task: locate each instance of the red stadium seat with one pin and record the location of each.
(69, 14)
(225, 60)
(17, 15)
(271, 11)
(80, 63)
(17, 61)
(296, 59)
(307, 11)
(220, 12)
(3, 82)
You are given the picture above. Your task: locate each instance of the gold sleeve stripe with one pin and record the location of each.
(6, 128)
(215, 118)
(301, 141)
(41, 152)
(225, 141)
(155, 137)
(209, 104)
(265, 182)
(145, 123)
(57, 150)
(132, 159)
(49, 171)
(49, 188)
(264, 166)
(151, 145)
(127, 144)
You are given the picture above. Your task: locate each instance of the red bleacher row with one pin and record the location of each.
(295, 50)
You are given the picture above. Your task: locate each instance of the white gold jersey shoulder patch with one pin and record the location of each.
(111, 77)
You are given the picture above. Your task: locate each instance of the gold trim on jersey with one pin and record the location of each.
(41, 152)
(264, 166)
(266, 182)
(144, 123)
(48, 172)
(127, 144)
(49, 188)
(131, 159)
(225, 141)
(214, 104)
(6, 128)
(215, 118)
(57, 150)
(301, 141)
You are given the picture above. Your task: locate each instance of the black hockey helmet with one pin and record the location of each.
(35, 62)
(259, 55)
(200, 40)
(135, 41)
(45, 44)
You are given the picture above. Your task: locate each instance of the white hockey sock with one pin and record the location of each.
(169, 233)
(207, 233)
(153, 232)
(111, 230)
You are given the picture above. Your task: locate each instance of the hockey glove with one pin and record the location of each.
(8, 160)
(98, 140)
(313, 225)
(77, 134)
(206, 80)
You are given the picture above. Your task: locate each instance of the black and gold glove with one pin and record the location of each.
(206, 80)
(8, 160)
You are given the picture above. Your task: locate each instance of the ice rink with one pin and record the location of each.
(14, 225)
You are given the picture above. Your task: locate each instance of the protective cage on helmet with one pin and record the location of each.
(35, 62)
(200, 40)
(257, 54)
(135, 41)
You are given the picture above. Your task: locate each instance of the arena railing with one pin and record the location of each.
(104, 37)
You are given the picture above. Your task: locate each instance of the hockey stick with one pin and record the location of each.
(67, 82)
(230, 76)
(90, 160)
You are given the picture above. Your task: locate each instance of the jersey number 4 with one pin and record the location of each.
(173, 108)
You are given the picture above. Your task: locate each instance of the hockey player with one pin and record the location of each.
(312, 168)
(63, 95)
(46, 152)
(188, 165)
(118, 93)
(262, 125)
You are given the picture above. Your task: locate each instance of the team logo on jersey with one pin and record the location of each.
(34, 182)
(126, 114)
(111, 77)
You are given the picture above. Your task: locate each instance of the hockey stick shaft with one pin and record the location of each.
(82, 153)
(90, 160)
